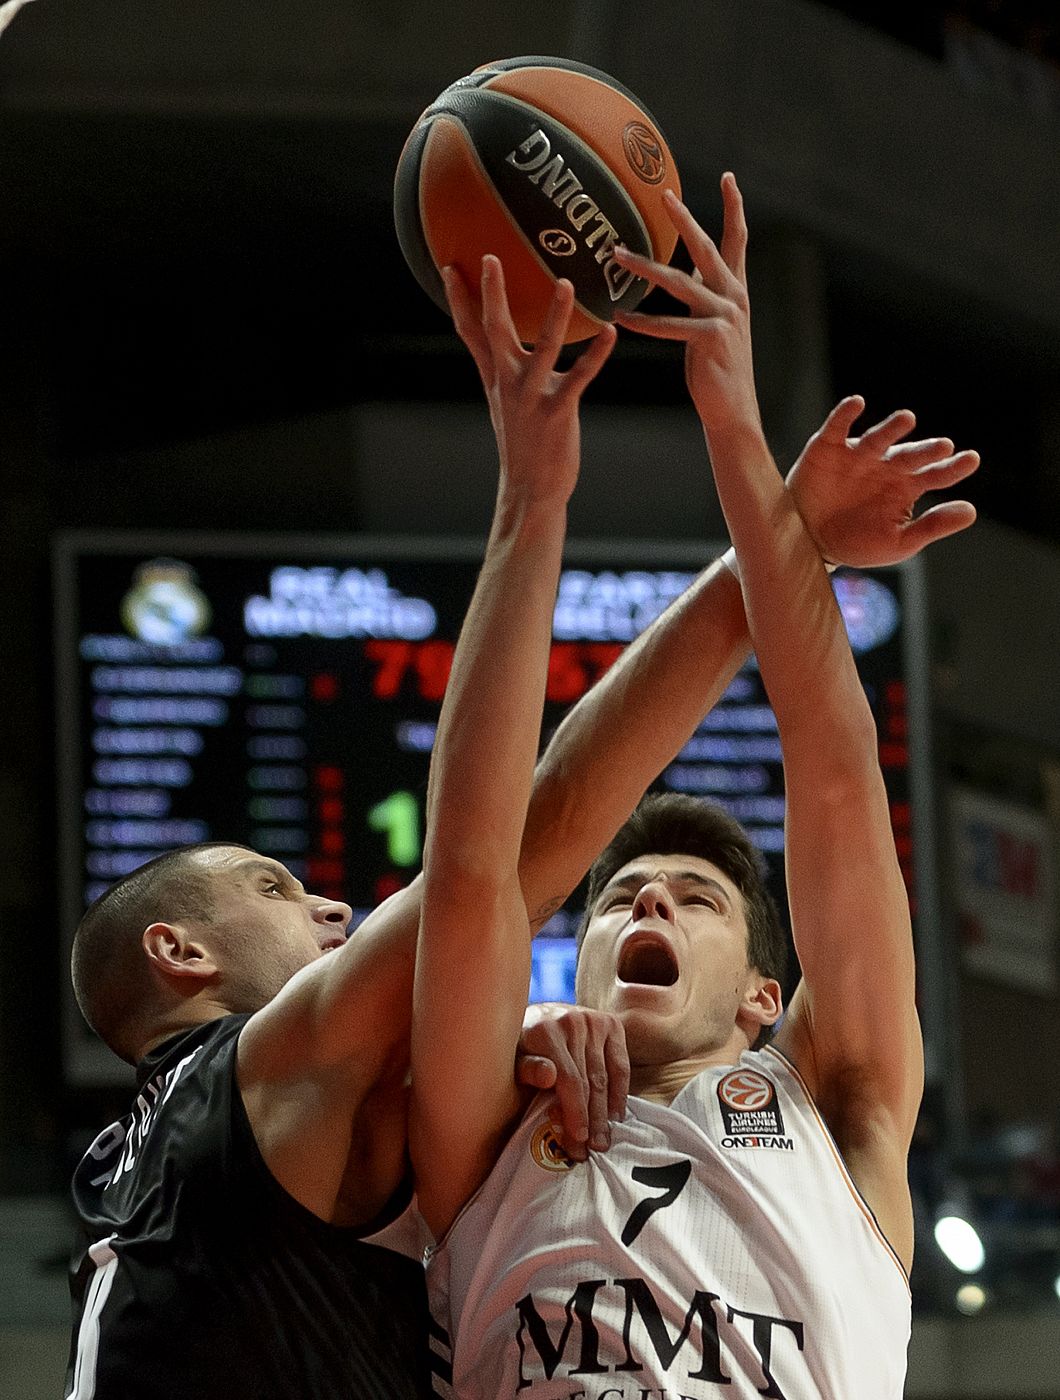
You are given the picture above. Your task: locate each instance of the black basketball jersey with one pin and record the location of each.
(197, 1275)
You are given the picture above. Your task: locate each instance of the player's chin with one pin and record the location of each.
(651, 1034)
(646, 1010)
(647, 996)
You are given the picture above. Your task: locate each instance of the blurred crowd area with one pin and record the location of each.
(1002, 1182)
(1010, 48)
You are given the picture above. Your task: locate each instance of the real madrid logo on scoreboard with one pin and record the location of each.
(164, 605)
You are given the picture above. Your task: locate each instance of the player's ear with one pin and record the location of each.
(173, 952)
(763, 1003)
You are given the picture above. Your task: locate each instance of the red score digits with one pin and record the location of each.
(573, 667)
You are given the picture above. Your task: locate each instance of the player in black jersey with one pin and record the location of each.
(224, 1218)
(221, 1247)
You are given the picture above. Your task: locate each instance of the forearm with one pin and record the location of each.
(808, 670)
(488, 733)
(473, 958)
(619, 736)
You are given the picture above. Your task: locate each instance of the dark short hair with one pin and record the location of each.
(672, 823)
(107, 965)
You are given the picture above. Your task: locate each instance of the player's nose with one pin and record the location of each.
(334, 918)
(653, 902)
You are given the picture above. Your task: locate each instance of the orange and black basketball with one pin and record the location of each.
(548, 164)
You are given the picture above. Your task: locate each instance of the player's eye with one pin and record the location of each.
(272, 887)
(705, 899)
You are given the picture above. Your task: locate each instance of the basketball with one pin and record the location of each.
(548, 164)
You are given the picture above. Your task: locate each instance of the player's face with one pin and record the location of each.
(264, 926)
(666, 950)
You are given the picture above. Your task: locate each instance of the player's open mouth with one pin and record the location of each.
(648, 961)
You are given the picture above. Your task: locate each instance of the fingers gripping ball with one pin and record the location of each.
(548, 164)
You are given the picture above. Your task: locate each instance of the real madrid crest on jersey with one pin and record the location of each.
(546, 1150)
(750, 1112)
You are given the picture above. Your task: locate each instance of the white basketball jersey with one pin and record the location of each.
(718, 1249)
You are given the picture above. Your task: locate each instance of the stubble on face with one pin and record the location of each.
(260, 935)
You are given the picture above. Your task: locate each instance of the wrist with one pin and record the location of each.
(807, 506)
(519, 513)
(739, 436)
(731, 562)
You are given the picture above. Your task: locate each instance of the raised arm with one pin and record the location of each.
(857, 497)
(473, 956)
(347, 1019)
(852, 1030)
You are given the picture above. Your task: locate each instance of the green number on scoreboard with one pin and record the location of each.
(399, 816)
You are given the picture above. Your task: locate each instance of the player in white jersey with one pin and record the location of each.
(720, 1242)
(749, 1231)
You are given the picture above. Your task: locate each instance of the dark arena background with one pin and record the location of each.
(218, 373)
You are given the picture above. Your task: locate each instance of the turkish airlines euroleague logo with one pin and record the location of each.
(750, 1112)
(644, 152)
(744, 1089)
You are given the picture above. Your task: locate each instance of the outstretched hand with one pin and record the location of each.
(533, 407)
(719, 368)
(857, 494)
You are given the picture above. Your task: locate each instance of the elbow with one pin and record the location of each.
(556, 807)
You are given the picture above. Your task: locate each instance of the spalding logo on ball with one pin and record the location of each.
(548, 164)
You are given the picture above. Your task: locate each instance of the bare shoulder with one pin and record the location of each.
(337, 1145)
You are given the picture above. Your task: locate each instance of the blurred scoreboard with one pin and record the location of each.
(284, 693)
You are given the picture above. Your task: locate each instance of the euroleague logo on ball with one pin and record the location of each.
(557, 242)
(644, 152)
(744, 1089)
